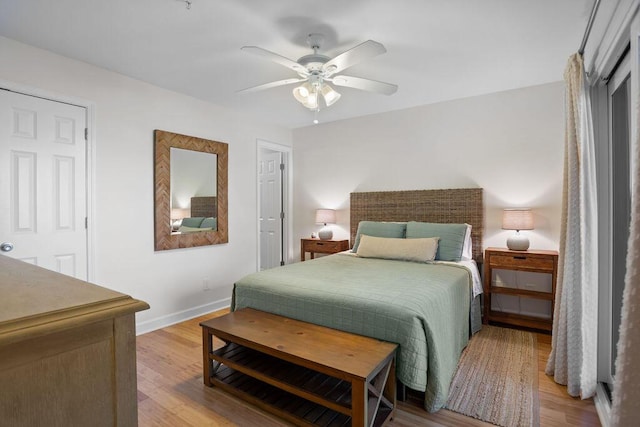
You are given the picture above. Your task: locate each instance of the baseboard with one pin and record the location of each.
(180, 316)
(603, 406)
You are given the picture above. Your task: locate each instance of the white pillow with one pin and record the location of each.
(419, 250)
(185, 229)
(467, 248)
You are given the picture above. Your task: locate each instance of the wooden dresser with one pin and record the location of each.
(67, 350)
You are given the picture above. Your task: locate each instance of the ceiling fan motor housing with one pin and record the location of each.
(313, 62)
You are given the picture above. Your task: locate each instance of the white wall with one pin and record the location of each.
(126, 113)
(509, 143)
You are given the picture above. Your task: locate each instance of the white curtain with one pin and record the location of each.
(573, 355)
(626, 388)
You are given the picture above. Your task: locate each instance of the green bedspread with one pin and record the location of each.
(422, 307)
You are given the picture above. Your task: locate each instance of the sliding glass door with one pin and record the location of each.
(614, 182)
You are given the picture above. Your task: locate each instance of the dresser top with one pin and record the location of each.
(31, 296)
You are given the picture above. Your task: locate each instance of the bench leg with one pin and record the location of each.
(207, 348)
(390, 388)
(359, 403)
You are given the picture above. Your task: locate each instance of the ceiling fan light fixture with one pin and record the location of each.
(311, 101)
(330, 95)
(301, 92)
(307, 95)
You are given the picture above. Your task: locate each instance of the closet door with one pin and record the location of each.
(43, 194)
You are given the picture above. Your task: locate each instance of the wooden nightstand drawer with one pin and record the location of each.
(315, 246)
(322, 246)
(523, 262)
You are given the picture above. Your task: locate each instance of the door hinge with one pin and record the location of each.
(281, 215)
(86, 223)
(86, 134)
(281, 166)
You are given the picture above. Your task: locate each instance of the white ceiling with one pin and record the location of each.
(436, 49)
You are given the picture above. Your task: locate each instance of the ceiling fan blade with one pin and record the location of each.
(279, 59)
(271, 85)
(365, 84)
(351, 57)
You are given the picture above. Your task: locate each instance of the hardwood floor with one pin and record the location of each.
(171, 391)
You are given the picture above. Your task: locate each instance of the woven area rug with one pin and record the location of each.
(497, 378)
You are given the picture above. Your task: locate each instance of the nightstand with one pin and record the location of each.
(314, 246)
(509, 282)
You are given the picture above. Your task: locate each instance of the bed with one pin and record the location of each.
(430, 309)
(204, 216)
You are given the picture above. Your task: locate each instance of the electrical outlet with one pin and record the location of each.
(205, 284)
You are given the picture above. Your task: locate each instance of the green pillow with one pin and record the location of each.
(192, 222)
(379, 229)
(451, 237)
(210, 222)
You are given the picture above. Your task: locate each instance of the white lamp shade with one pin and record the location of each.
(312, 101)
(517, 219)
(325, 216)
(330, 95)
(306, 95)
(301, 92)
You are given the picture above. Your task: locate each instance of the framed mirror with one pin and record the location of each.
(190, 177)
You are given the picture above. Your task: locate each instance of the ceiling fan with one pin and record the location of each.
(316, 71)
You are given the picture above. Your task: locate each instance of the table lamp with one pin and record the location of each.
(177, 215)
(325, 216)
(517, 219)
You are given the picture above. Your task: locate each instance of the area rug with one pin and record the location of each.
(497, 379)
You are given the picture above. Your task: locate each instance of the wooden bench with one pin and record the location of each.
(304, 373)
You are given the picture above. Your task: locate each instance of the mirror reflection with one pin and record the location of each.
(193, 191)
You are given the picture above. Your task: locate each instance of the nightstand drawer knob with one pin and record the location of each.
(519, 257)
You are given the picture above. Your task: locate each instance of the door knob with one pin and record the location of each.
(6, 246)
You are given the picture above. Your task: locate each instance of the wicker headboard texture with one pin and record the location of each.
(206, 206)
(461, 205)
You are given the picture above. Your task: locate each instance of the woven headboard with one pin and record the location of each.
(206, 206)
(461, 205)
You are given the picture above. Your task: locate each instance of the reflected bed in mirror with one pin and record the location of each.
(190, 191)
(201, 216)
(193, 191)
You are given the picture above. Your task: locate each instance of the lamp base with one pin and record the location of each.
(518, 242)
(325, 233)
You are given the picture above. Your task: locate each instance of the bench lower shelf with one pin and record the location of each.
(298, 410)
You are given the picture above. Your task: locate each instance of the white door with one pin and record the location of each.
(43, 202)
(270, 187)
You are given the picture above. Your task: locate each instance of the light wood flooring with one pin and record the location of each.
(171, 391)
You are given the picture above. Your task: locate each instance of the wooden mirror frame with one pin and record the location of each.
(164, 238)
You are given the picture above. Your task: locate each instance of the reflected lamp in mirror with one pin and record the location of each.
(325, 216)
(177, 215)
(517, 219)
